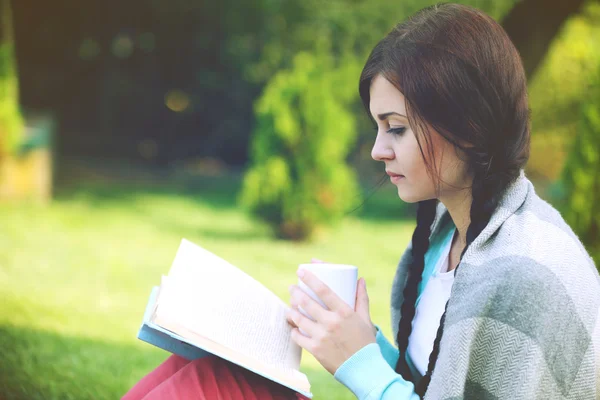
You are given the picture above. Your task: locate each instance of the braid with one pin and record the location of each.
(420, 244)
(486, 192)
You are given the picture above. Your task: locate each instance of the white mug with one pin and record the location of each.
(341, 279)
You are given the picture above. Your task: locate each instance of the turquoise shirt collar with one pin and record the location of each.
(439, 240)
(438, 243)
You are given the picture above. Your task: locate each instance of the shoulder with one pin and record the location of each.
(530, 295)
(539, 220)
(537, 236)
(533, 274)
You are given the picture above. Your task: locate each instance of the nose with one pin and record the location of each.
(381, 150)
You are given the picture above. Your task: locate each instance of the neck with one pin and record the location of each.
(459, 207)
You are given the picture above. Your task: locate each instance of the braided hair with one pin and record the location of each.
(461, 77)
(485, 197)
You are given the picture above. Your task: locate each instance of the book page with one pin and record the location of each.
(210, 297)
(293, 379)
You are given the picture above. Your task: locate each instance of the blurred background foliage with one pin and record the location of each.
(139, 122)
(299, 177)
(559, 88)
(11, 121)
(579, 187)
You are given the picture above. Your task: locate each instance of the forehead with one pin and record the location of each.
(385, 97)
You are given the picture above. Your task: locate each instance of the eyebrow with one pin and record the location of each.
(387, 114)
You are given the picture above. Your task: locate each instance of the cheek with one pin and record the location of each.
(454, 174)
(412, 160)
(419, 185)
(453, 168)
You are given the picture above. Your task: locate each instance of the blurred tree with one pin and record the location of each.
(299, 179)
(532, 32)
(557, 89)
(11, 121)
(581, 176)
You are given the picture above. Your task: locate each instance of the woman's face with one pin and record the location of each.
(396, 145)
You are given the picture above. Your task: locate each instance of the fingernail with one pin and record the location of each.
(300, 273)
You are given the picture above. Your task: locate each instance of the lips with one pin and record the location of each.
(393, 175)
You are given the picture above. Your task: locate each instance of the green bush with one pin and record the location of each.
(581, 175)
(298, 178)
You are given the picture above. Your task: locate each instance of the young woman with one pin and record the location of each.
(495, 297)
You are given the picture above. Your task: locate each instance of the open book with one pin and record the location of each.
(206, 306)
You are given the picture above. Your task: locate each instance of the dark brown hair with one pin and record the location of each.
(462, 77)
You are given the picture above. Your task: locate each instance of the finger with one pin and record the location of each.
(300, 299)
(300, 321)
(362, 300)
(323, 292)
(288, 319)
(301, 340)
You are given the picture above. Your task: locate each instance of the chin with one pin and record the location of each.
(411, 197)
(408, 197)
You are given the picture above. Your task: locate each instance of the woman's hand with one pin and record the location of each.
(336, 333)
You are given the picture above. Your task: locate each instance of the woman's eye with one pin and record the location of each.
(397, 131)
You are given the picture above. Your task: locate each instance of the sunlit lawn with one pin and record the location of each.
(75, 277)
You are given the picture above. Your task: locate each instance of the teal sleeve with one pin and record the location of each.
(389, 352)
(369, 376)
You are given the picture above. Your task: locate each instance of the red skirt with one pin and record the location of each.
(207, 378)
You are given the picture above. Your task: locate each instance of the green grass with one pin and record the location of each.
(75, 277)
